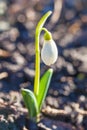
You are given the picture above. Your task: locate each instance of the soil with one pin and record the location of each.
(65, 107)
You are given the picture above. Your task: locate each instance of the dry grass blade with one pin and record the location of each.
(57, 11)
(3, 75)
(4, 53)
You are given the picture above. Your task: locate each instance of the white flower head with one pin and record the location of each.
(49, 52)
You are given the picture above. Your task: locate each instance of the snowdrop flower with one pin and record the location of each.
(49, 52)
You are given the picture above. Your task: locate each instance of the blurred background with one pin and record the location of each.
(68, 24)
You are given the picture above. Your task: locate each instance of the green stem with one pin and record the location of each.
(47, 35)
(44, 29)
(37, 50)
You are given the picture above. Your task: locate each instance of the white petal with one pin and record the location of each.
(49, 52)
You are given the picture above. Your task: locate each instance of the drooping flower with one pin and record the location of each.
(49, 52)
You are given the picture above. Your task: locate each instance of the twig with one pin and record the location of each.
(52, 112)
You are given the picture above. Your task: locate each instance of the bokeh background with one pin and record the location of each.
(68, 25)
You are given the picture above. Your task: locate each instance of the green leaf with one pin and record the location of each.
(44, 85)
(30, 102)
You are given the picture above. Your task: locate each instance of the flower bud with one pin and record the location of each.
(49, 52)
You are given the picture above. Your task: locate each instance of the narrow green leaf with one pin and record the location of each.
(44, 85)
(30, 102)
